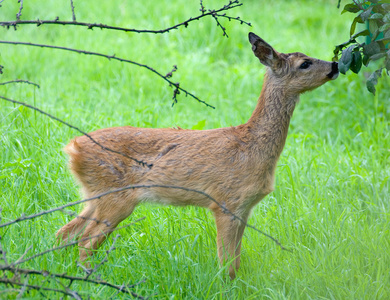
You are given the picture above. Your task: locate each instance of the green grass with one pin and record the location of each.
(331, 201)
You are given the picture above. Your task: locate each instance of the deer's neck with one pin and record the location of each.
(271, 118)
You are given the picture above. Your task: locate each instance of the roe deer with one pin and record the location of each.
(235, 165)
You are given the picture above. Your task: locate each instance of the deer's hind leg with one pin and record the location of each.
(73, 229)
(110, 210)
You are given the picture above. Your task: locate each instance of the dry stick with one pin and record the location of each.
(143, 163)
(20, 81)
(214, 13)
(73, 14)
(20, 10)
(224, 209)
(171, 83)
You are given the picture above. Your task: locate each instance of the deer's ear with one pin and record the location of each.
(263, 51)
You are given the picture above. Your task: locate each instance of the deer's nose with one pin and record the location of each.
(335, 71)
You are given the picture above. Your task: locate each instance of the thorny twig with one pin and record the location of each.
(110, 57)
(73, 14)
(202, 9)
(121, 288)
(13, 282)
(20, 81)
(215, 13)
(20, 10)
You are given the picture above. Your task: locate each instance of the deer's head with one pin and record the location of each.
(294, 72)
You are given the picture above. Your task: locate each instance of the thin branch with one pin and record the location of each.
(104, 260)
(214, 13)
(220, 25)
(20, 81)
(202, 9)
(143, 163)
(20, 10)
(121, 288)
(24, 254)
(73, 14)
(38, 287)
(109, 57)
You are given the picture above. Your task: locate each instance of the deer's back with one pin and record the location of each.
(221, 162)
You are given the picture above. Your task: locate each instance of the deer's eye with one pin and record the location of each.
(305, 65)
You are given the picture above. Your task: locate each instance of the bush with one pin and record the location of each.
(376, 15)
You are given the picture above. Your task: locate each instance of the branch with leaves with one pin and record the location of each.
(375, 15)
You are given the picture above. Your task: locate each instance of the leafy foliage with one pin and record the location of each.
(376, 14)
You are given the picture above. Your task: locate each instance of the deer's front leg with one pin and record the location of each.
(229, 235)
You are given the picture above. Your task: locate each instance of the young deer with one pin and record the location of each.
(235, 165)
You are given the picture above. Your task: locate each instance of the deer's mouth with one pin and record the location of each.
(335, 71)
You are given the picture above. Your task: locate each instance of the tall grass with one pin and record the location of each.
(331, 201)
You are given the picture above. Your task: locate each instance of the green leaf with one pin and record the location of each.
(356, 61)
(377, 56)
(346, 59)
(386, 7)
(387, 64)
(353, 8)
(371, 49)
(366, 60)
(373, 80)
(373, 25)
(376, 16)
(384, 27)
(386, 18)
(366, 14)
(353, 27)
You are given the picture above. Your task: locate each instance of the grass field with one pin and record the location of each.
(331, 200)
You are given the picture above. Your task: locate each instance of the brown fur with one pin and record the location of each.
(235, 166)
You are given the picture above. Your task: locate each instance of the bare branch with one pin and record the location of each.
(73, 14)
(20, 10)
(109, 57)
(24, 254)
(220, 25)
(215, 13)
(202, 9)
(20, 81)
(38, 287)
(121, 288)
